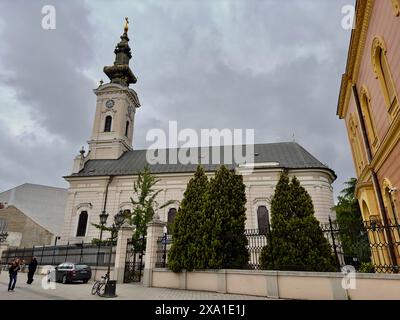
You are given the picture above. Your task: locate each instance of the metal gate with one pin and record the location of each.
(134, 263)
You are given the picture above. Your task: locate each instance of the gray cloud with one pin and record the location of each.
(274, 66)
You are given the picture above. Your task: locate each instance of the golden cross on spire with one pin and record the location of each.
(126, 24)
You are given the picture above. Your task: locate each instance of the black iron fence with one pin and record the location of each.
(87, 253)
(384, 243)
(371, 247)
(163, 246)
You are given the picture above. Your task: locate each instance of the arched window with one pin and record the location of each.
(82, 224)
(262, 219)
(355, 144)
(127, 128)
(368, 117)
(171, 219)
(107, 124)
(383, 74)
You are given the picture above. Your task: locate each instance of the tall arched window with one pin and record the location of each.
(171, 219)
(107, 124)
(82, 224)
(383, 74)
(355, 144)
(368, 117)
(262, 218)
(127, 128)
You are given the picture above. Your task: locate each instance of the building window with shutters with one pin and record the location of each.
(82, 224)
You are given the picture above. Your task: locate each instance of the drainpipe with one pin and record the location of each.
(375, 180)
(110, 178)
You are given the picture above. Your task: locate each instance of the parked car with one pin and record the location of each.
(71, 272)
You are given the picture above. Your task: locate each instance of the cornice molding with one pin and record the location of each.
(356, 50)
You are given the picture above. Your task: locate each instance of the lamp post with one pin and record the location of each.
(103, 220)
(110, 287)
(165, 238)
(3, 236)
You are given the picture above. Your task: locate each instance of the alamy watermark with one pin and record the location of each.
(237, 147)
(49, 19)
(349, 279)
(49, 280)
(348, 20)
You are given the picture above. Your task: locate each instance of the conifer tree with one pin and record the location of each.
(296, 241)
(187, 251)
(225, 215)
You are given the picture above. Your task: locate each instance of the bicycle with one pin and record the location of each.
(99, 286)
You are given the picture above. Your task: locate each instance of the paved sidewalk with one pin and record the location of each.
(79, 291)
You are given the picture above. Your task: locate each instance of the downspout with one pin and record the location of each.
(110, 178)
(375, 180)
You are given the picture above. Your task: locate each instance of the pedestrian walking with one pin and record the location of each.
(31, 270)
(13, 271)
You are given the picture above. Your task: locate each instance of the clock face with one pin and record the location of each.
(110, 104)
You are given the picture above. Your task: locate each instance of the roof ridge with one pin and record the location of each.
(224, 145)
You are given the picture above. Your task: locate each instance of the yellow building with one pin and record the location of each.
(369, 105)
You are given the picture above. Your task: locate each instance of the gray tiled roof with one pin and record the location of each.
(289, 155)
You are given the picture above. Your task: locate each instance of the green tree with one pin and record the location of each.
(296, 241)
(187, 251)
(224, 223)
(143, 209)
(353, 236)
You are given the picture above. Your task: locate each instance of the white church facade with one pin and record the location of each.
(102, 180)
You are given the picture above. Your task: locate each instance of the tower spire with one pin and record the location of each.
(120, 72)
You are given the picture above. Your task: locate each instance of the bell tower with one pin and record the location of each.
(112, 133)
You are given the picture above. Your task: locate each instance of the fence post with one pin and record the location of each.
(155, 229)
(165, 250)
(124, 233)
(334, 244)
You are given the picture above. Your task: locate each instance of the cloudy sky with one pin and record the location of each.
(270, 65)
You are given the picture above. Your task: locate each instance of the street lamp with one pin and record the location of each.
(3, 236)
(103, 220)
(110, 287)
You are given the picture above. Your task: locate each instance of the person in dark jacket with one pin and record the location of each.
(13, 271)
(31, 270)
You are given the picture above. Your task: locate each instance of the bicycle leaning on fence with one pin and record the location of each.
(99, 286)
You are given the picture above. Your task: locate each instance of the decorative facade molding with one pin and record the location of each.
(357, 45)
(377, 44)
(84, 205)
(396, 7)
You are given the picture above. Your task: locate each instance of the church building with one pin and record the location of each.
(102, 180)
